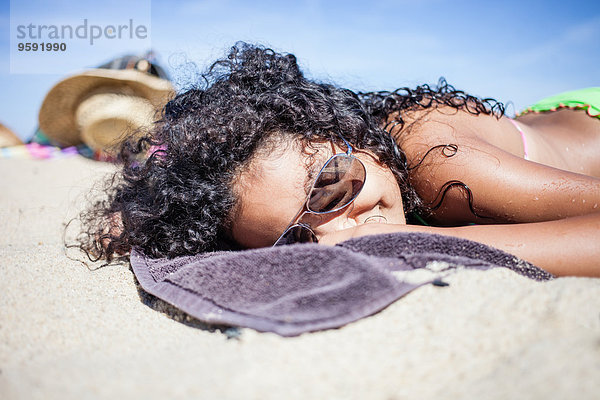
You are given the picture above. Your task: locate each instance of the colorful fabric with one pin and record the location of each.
(37, 151)
(586, 99)
(42, 148)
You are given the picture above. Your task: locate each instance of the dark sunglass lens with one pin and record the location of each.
(297, 234)
(340, 181)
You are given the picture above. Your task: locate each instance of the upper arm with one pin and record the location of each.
(499, 185)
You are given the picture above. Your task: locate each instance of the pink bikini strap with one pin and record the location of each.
(525, 148)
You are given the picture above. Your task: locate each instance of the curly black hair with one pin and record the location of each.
(181, 199)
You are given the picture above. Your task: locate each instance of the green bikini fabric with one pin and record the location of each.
(587, 99)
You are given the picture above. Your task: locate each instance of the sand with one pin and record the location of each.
(70, 333)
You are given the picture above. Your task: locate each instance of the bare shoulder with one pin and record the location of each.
(431, 127)
(469, 168)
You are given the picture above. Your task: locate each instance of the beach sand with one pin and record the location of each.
(67, 332)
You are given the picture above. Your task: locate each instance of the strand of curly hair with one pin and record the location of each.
(382, 104)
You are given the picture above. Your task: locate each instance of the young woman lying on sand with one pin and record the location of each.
(257, 154)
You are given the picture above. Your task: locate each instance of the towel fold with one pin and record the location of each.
(294, 289)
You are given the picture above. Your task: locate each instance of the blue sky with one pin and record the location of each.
(516, 51)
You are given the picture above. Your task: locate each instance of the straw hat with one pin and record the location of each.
(8, 138)
(99, 106)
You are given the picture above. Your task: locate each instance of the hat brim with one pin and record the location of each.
(57, 114)
(8, 138)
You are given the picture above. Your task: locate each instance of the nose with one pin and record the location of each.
(343, 220)
(356, 216)
(367, 214)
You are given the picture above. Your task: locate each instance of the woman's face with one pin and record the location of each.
(275, 187)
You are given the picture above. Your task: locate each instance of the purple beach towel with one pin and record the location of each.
(294, 289)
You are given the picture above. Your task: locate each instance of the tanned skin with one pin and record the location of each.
(545, 210)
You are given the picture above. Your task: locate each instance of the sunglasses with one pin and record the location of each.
(336, 186)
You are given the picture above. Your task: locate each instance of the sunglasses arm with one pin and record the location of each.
(297, 217)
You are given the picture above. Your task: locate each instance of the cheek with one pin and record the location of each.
(382, 195)
(371, 197)
(381, 187)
